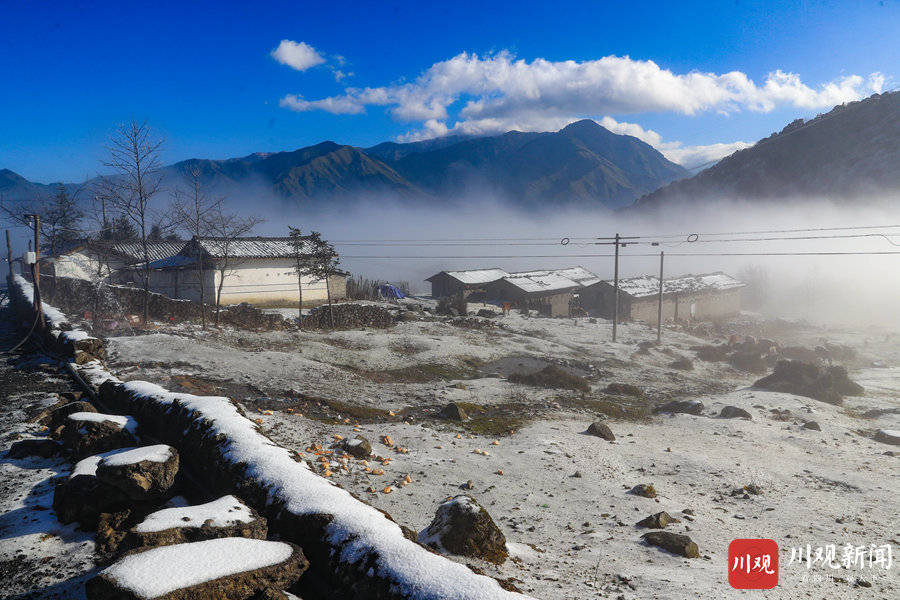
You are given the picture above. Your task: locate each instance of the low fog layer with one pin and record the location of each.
(859, 289)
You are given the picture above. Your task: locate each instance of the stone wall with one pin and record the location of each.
(78, 296)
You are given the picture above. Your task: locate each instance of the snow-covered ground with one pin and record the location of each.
(574, 535)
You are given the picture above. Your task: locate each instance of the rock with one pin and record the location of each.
(806, 379)
(733, 412)
(453, 412)
(462, 527)
(41, 447)
(682, 364)
(407, 316)
(602, 430)
(357, 447)
(623, 389)
(888, 436)
(751, 362)
(91, 433)
(484, 312)
(222, 518)
(657, 521)
(643, 489)
(689, 407)
(348, 316)
(82, 497)
(54, 417)
(238, 568)
(140, 473)
(675, 543)
(812, 425)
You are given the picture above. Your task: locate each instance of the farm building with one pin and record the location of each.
(256, 270)
(451, 283)
(550, 291)
(690, 297)
(97, 260)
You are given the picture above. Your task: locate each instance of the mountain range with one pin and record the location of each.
(582, 163)
(852, 151)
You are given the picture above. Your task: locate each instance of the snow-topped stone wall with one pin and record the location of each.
(58, 335)
(354, 548)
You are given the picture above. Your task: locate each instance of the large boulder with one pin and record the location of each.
(601, 430)
(82, 497)
(225, 569)
(462, 527)
(688, 407)
(225, 517)
(675, 543)
(89, 433)
(829, 385)
(140, 473)
(55, 416)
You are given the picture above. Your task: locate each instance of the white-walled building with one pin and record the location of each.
(257, 270)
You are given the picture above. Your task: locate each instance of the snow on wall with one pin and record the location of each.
(357, 537)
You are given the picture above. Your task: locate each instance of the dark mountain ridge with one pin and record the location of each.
(851, 151)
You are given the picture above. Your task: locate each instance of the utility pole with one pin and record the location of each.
(9, 252)
(36, 270)
(616, 287)
(659, 308)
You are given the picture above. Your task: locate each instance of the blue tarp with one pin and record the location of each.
(390, 291)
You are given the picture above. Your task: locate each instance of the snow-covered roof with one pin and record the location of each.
(252, 247)
(156, 250)
(474, 276)
(579, 275)
(541, 281)
(648, 285)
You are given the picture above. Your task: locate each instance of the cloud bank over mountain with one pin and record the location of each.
(473, 94)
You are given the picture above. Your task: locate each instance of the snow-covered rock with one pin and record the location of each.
(140, 473)
(89, 433)
(225, 517)
(227, 568)
(462, 526)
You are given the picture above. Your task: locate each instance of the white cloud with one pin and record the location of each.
(337, 106)
(499, 92)
(297, 55)
(686, 156)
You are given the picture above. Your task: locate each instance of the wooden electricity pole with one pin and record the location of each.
(9, 252)
(659, 307)
(616, 289)
(36, 271)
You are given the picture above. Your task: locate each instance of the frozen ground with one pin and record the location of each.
(39, 557)
(574, 536)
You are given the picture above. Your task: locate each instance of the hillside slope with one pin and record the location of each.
(851, 151)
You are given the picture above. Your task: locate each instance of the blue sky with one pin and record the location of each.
(204, 76)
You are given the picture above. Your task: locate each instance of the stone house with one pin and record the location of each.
(451, 283)
(107, 261)
(703, 297)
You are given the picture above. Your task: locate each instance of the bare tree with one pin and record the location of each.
(323, 263)
(134, 157)
(61, 217)
(227, 228)
(196, 211)
(302, 266)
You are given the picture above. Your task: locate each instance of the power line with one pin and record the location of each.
(642, 255)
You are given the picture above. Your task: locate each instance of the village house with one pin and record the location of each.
(690, 297)
(452, 283)
(107, 261)
(256, 270)
(549, 291)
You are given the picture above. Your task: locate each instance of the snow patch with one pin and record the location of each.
(225, 511)
(159, 453)
(186, 565)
